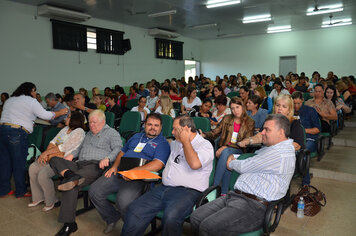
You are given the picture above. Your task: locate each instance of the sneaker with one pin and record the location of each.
(48, 208)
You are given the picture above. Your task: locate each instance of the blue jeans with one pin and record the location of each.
(311, 146)
(222, 174)
(176, 202)
(13, 154)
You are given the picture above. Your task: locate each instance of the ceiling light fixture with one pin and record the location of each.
(203, 26)
(324, 9)
(260, 18)
(337, 22)
(163, 13)
(278, 29)
(221, 3)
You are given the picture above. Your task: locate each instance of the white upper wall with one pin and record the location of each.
(331, 49)
(27, 55)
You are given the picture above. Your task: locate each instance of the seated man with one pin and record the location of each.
(149, 145)
(100, 146)
(310, 121)
(186, 175)
(323, 106)
(55, 105)
(80, 104)
(263, 178)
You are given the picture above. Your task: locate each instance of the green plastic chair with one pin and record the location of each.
(167, 125)
(35, 137)
(130, 123)
(131, 103)
(202, 123)
(233, 94)
(306, 96)
(110, 118)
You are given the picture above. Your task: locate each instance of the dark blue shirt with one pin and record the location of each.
(309, 119)
(156, 148)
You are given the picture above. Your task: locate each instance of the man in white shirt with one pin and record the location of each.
(263, 178)
(185, 176)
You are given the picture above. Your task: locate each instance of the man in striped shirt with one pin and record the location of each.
(263, 178)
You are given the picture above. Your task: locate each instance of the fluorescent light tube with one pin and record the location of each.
(203, 26)
(334, 25)
(277, 29)
(212, 4)
(164, 13)
(324, 11)
(260, 18)
(337, 20)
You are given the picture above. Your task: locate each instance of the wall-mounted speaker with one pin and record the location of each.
(126, 45)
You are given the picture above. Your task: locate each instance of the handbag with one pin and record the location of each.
(313, 200)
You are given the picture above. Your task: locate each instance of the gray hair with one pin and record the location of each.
(186, 120)
(281, 121)
(98, 113)
(51, 97)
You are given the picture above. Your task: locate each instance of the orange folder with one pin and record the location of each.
(139, 174)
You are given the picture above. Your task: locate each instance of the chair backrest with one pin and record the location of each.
(131, 103)
(110, 118)
(131, 121)
(233, 94)
(202, 123)
(51, 133)
(306, 96)
(167, 125)
(36, 136)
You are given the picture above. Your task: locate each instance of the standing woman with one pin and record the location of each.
(19, 113)
(66, 141)
(190, 100)
(232, 129)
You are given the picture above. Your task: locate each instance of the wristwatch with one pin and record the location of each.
(250, 140)
(85, 109)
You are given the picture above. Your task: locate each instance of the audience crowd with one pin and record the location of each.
(283, 114)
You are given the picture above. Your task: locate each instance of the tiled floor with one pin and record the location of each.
(338, 218)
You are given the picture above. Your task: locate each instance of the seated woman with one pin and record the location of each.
(221, 111)
(166, 107)
(133, 93)
(266, 102)
(203, 110)
(301, 85)
(244, 94)
(142, 108)
(289, 86)
(67, 140)
(99, 101)
(278, 90)
(190, 100)
(85, 93)
(152, 98)
(283, 105)
(232, 129)
(114, 108)
(218, 91)
(255, 112)
(323, 106)
(332, 94)
(344, 91)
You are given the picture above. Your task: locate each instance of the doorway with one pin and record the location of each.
(287, 64)
(191, 68)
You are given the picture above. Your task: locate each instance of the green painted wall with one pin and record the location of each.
(26, 54)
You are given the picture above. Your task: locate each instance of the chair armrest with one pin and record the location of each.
(302, 161)
(203, 197)
(268, 225)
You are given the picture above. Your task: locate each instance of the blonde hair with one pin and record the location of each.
(341, 86)
(85, 92)
(96, 90)
(262, 91)
(98, 113)
(288, 99)
(166, 104)
(102, 98)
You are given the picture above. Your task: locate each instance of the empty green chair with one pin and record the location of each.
(110, 119)
(130, 123)
(131, 103)
(35, 137)
(167, 125)
(202, 123)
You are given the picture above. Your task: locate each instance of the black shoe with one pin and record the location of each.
(67, 229)
(70, 183)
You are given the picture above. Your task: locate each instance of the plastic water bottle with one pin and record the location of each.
(300, 212)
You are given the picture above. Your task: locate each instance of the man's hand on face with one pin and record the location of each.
(184, 133)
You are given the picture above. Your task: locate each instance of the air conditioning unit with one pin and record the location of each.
(156, 32)
(61, 13)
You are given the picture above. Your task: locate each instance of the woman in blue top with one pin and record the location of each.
(255, 112)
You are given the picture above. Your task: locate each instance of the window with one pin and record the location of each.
(91, 39)
(169, 49)
(109, 41)
(69, 36)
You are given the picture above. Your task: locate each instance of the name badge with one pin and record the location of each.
(139, 147)
(234, 137)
